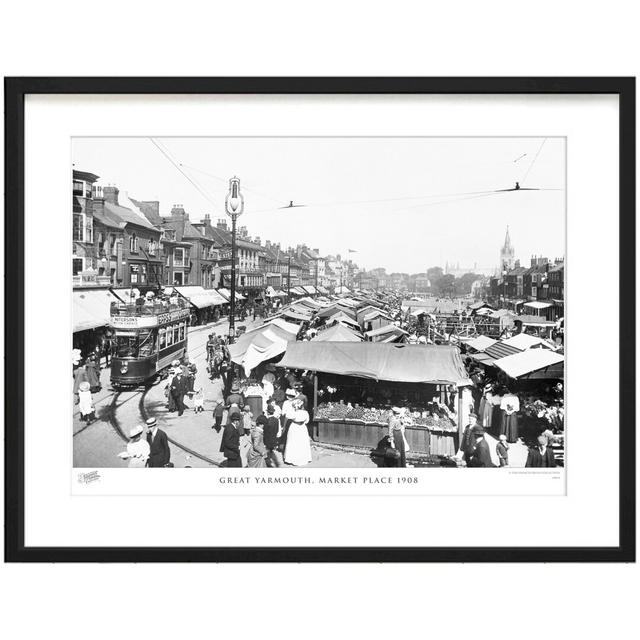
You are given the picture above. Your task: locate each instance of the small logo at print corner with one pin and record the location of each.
(86, 478)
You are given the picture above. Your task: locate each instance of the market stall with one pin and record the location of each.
(351, 408)
(261, 344)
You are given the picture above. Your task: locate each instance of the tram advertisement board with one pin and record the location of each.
(138, 322)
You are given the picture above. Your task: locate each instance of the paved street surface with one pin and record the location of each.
(98, 444)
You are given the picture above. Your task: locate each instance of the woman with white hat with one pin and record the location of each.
(297, 450)
(138, 449)
(85, 402)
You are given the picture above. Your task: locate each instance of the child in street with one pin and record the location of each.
(198, 400)
(502, 449)
(85, 401)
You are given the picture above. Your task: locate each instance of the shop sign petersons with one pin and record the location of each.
(133, 322)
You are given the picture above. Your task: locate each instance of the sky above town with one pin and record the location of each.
(405, 204)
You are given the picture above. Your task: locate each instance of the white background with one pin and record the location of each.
(53, 517)
(292, 39)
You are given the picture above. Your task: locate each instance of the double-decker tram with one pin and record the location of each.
(147, 337)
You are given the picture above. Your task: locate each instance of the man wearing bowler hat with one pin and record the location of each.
(159, 455)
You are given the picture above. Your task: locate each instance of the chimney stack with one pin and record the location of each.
(110, 194)
(206, 221)
(222, 223)
(257, 239)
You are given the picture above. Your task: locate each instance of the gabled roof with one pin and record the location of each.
(116, 216)
(183, 228)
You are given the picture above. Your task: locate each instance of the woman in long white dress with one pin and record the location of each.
(297, 450)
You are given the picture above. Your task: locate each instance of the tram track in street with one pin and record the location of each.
(112, 414)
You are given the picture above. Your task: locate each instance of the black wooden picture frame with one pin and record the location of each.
(15, 91)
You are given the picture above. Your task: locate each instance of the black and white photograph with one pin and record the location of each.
(318, 302)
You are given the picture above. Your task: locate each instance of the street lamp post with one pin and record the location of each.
(289, 278)
(234, 206)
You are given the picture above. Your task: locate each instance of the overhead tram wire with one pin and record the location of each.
(225, 182)
(533, 161)
(177, 166)
(196, 183)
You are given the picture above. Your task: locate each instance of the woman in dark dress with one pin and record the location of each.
(93, 374)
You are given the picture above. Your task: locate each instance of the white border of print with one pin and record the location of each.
(54, 517)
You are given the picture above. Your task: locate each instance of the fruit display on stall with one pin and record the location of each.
(340, 411)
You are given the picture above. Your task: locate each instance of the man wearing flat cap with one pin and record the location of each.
(160, 454)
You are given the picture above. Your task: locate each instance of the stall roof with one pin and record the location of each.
(524, 341)
(375, 314)
(481, 343)
(337, 333)
(92, 308)
(501, 350)
(296, 315)
(298, 291)
(343, 317)
(388, 328)
(483, 358)
(201, 297)
(526, 362)
(433, 364)
(538, 305)
(309, 288)
(227, 294)
(329, 311)
(263, 343)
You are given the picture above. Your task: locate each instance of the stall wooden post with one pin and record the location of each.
(315, 401)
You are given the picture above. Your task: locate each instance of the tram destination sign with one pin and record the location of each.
(139, 322)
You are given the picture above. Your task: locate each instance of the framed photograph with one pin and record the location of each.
(320, 319)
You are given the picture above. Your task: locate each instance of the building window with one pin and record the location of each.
(78, 235)
(178, 278)
(77, 266)
(152, 247)
(78, 187)
(133, 243)
(178, 257)
(138, 273)
(112, 245)
(89, 229)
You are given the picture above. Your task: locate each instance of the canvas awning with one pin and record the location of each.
(309, 288)
(200, 297)
(481, 343)
(337, 333)
(524, 341)
(225, 293)
(388, 328)
(434, 364)
(263, 343)
(527, 362)
(295, 315)
(343, 317)
(538, 305)
(483, 358)
(92, 309)
(501, 350)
